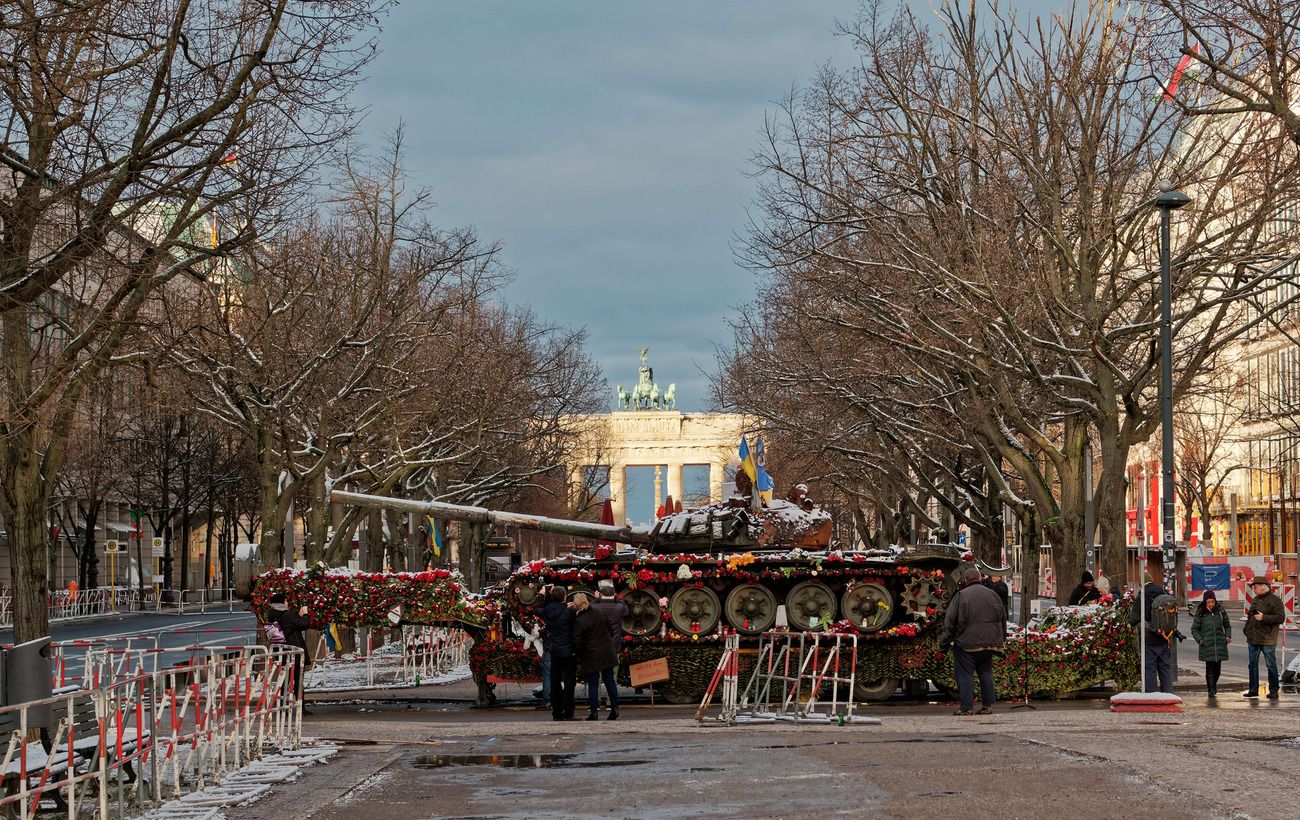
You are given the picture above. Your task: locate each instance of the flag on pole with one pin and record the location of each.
(435, 536)
(230, 159)
(762, 481)
(1172, 88)
(747, 460)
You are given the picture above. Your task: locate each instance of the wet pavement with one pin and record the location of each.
(1061, 759)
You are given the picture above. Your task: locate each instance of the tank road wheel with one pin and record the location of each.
(695, 611)
(919, 595)
(751, 609)
(643, 613)
(869, 606)
(875, 690)
(810, 601)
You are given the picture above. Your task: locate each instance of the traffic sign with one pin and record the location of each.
(112, 546)
(158, 549)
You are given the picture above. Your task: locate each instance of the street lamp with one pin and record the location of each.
(1168, 200)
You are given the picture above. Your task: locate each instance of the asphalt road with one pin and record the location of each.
(1065, 759)
(176, 634)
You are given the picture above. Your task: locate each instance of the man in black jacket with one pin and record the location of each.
(559, 640)
(1159, 655)
(975, 627)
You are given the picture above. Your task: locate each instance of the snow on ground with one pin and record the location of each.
(245, 785)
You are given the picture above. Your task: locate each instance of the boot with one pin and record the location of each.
(613, 714)
(592, 715)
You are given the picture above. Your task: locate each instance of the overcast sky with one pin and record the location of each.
(606, 146)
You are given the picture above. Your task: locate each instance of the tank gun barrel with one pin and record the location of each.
(482, 515)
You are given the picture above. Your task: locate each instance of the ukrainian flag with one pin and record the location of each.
(747, 461)
(762, 481)
(435, 536)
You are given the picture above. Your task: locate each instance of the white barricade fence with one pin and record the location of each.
(138, 742)
(422, 654)
(189, 601)
(795, 671)
(65, 604)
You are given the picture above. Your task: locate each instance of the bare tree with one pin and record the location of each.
(129, 127)
(966, 216)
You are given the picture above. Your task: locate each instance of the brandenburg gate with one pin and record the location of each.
(648, 431)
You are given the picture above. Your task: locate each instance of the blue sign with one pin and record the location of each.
(1211, 576)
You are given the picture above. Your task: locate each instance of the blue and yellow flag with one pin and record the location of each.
(435, 536)
(747, 460)
(762, 481)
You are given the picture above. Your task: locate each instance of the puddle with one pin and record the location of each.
(537, 761)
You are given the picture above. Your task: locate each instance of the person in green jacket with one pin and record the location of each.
(1212, 632)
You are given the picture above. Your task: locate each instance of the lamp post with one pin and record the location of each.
(1168, 200)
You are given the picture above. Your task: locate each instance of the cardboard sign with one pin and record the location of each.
(653, 671)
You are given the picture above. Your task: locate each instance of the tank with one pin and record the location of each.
(725, 566)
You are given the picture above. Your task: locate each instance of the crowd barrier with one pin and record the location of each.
(67, 605)
(422, 653)
(140, 740)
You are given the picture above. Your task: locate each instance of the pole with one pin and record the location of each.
(1166, 386)
(1089, 512)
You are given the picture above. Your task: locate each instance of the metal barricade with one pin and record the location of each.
(140, 741)
(420, 655)
(793, 669)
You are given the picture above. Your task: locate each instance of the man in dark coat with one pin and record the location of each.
(998, 585)
(975, 627)
(1159, 655)
(294, 625)
(1263, 617)
(593, 647)
(558, 618)
(1086, 592)
(614, 611)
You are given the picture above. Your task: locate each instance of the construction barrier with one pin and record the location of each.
(142, 740)
(66, 605)
(803, 677)
(421, 654)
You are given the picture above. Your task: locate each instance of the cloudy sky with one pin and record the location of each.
(606, 146)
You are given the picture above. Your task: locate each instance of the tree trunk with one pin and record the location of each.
(25, 501)
(89, 550)
(1112, 509)
(318, 522)
(1028, 562)
(472, 539)
(207, 538)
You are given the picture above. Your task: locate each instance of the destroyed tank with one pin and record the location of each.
(724, 567)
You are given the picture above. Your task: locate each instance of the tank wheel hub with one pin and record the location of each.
(920, 596)
(695, 610)
(751, 609)
(643, 612)
(810, 605)
(869, 606)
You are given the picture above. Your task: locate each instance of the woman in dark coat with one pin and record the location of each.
(1212, 631)
(594, 648)
(1086, 592)
(294, 625)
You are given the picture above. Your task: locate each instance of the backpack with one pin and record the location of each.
(1164, 615)
(274, 632)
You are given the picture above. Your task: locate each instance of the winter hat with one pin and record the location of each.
(1260, 579)
(1087, 578)
(606, 587)
(1209, 596)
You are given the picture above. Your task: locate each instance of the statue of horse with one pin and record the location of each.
(670, 397)
(636, 397)
(654, 396)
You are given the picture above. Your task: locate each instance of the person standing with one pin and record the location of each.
(293, 627)
(1159, 655)
(1212, 633)
(998, 585)
(558, 617)
(593, 647)
(1086, 592)
(614, 610)
(975, 627)
(1263, 617)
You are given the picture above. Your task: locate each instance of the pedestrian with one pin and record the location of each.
(1212, 633)
(998, 585)
(1263, 617)
(1086, 592)
(558, 617)
(292, 627)
(614, 609)
(594, 648)
(1103, 583)
(975, 627)
(1158, 655)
